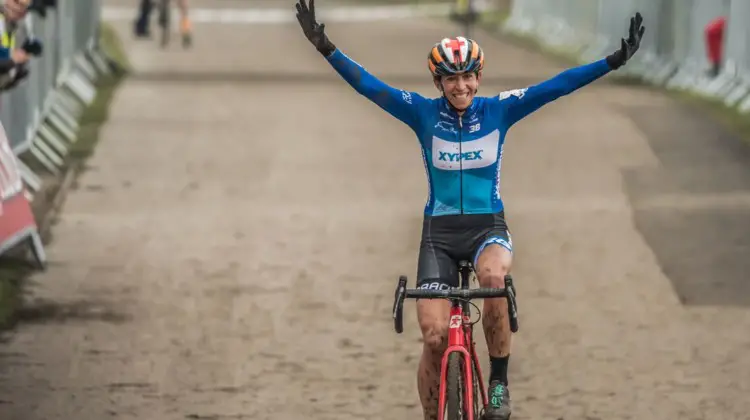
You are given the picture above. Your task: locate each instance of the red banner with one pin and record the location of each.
(16, 219)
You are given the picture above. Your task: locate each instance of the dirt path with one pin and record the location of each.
(232, 252)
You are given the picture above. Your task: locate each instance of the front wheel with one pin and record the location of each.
(478, 402)
(454, 389)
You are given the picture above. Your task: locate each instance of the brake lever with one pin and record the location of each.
(398, 305)
(512, 306)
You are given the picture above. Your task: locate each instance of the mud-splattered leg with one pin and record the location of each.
(433, 320)
(492, 266)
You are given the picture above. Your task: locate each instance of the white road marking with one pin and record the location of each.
(275, 16)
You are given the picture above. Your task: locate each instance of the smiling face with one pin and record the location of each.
(459, 89)
(15, 9)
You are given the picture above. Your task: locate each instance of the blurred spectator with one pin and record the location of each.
(142, 21)
(13, 60)
(714, 33)
(141, 24)
(41, 6)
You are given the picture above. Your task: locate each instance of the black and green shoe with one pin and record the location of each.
(499, 406)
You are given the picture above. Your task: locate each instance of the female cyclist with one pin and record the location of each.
(461, 137)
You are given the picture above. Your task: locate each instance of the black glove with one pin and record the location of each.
(629, 47)
(312, 29)
(32, 46)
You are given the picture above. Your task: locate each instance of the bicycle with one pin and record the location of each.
(460, 402)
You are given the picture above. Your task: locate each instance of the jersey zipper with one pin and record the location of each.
(461, 161)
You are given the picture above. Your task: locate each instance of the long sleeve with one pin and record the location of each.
(402, 104)
(519, 103)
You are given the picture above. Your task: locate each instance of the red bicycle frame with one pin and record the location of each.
(460, 332)
(460, 339)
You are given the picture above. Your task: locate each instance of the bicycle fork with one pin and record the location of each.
(480, 379)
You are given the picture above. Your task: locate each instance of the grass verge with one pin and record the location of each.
(97, 113)
(731, 118)
(13, 272)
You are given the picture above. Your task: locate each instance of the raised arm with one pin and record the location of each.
(519, 103)
(516, 104)
(401, 104)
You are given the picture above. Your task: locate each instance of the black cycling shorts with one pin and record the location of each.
(448, 239)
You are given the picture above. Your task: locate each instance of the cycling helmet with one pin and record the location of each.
(455, 56)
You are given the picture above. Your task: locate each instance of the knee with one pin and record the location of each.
(435, 337)
(494, 263)
(493, 278)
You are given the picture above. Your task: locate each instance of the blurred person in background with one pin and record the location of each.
(144, 18)
(40, 6)
(714, 38)
(461, 136)
(13, 60)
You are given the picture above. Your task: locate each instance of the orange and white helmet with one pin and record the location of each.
(455, 56)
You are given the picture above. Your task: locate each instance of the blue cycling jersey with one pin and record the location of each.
(463, 154)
